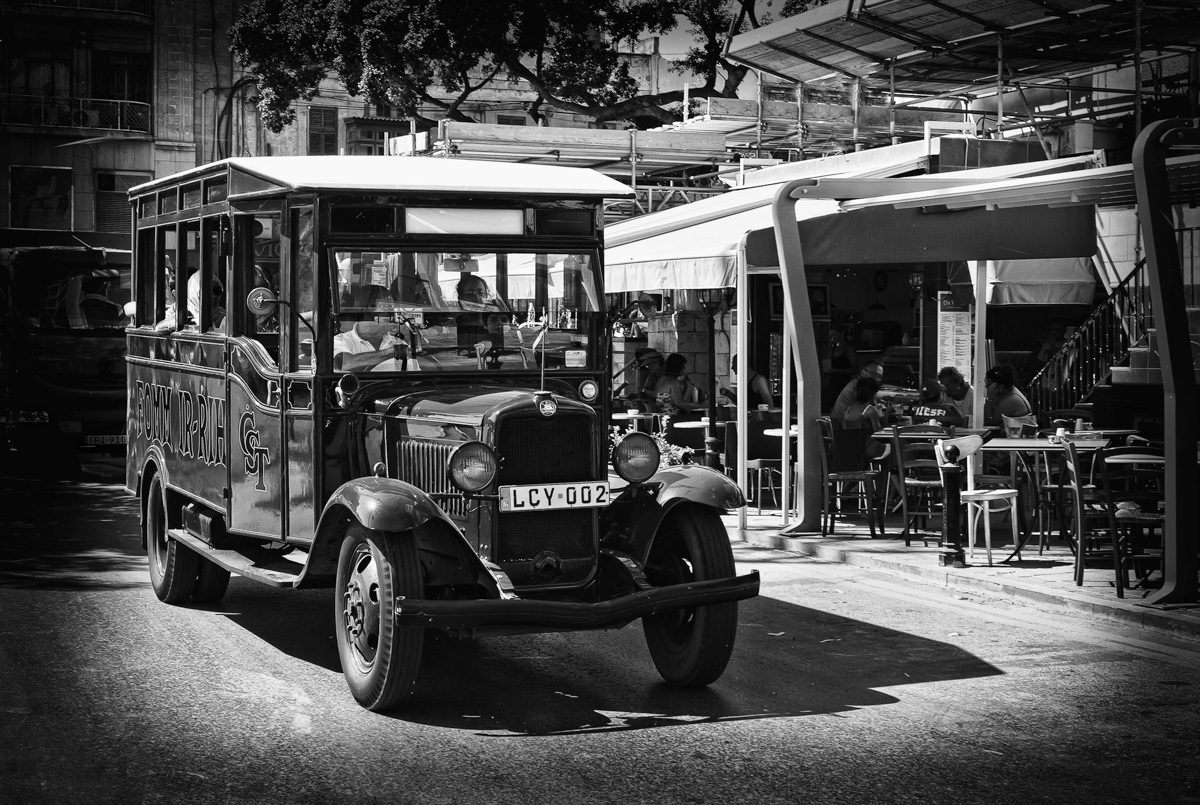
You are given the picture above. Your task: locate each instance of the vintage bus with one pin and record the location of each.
(389, 376)
(62, 355)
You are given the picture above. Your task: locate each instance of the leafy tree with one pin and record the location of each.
(400, 52)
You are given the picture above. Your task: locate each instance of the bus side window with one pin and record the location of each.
(257, 266)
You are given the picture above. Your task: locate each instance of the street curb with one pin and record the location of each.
(1174, 623)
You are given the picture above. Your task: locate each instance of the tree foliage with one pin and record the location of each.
(414, 55)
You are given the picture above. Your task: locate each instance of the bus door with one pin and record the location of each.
(255, 384)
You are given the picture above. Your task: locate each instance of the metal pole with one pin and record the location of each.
(951, 520)
(711, 453)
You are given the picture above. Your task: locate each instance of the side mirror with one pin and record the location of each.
(261, 301)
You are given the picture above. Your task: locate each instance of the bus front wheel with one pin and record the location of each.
(379, 659)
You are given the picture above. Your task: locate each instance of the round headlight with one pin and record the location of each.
(472, 466)
(635, 458)
(589, 390)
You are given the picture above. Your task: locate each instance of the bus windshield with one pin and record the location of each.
(466, 311)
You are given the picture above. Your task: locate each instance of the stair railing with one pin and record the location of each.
(1101, 342)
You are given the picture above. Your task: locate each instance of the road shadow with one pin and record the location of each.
(581, 682)
(69, 534)
(822, 664)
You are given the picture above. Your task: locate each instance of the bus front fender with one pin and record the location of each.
(633, 518)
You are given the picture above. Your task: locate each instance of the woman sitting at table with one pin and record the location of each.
(675, 393)
(1003, 398)
(864, 413)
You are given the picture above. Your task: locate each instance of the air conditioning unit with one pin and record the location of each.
(85, 118)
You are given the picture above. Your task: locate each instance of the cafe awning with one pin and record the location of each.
(697, 245)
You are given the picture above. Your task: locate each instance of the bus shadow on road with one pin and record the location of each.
(605, 682)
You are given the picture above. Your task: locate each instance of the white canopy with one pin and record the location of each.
(702, 255)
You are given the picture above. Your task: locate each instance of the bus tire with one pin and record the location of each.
(691, 647)
(379, 659)
(173, 566)
(212, 581)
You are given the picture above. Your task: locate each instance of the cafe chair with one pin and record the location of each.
(1133, 482)
(978, 502)
(919, 477)
(764, 454)
(1089, 533)
(848, 475)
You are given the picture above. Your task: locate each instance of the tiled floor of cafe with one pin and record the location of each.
(1043, 580)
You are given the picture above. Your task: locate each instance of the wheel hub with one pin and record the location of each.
(361, 605)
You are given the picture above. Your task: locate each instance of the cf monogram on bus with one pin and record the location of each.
(257, 456)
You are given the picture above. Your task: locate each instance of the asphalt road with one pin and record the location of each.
(845, 687)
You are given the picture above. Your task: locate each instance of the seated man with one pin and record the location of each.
(371, 346)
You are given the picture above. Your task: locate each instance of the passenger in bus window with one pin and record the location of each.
(193, 303)
(167, 323)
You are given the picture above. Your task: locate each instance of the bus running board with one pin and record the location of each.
(260, 565)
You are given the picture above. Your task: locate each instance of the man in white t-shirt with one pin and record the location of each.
(959, 392)
(369, 345)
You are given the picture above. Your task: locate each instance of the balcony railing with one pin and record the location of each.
(75, 113)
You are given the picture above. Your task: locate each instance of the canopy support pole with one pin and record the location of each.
(980, 366)
(743, 376)
(798, 314)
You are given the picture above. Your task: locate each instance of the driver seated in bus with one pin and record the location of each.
(368, 345)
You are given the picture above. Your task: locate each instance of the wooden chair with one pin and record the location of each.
(979, 502)
(919, 477)
(844, 464)
(1090, 528)
(1133, 497)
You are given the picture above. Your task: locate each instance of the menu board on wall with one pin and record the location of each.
(954, 334)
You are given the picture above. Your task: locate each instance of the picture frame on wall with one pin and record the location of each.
(775, 298)
(818, 301)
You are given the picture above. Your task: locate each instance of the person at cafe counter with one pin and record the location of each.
(872, 369)
(758, 385)
(1003, 398)
(959, 392)
(933, 409)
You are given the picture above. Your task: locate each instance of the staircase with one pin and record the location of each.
(1112, 364)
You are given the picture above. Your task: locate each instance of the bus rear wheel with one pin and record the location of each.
(379, 659)
(173, 566)
(691, 646)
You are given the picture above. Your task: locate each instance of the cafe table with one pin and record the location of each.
(1041, 448)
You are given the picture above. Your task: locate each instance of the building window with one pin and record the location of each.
(122, 76)
(383, 110)
(322, 130)
(510, 120)
(40, 197)
(113, 213)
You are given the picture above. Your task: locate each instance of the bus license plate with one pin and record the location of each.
(106, 439)
(542, 497)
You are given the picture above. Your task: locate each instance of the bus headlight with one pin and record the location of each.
(472, 466)
(635, 458)
(589, 390)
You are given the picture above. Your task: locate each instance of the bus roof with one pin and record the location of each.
(379, 174)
